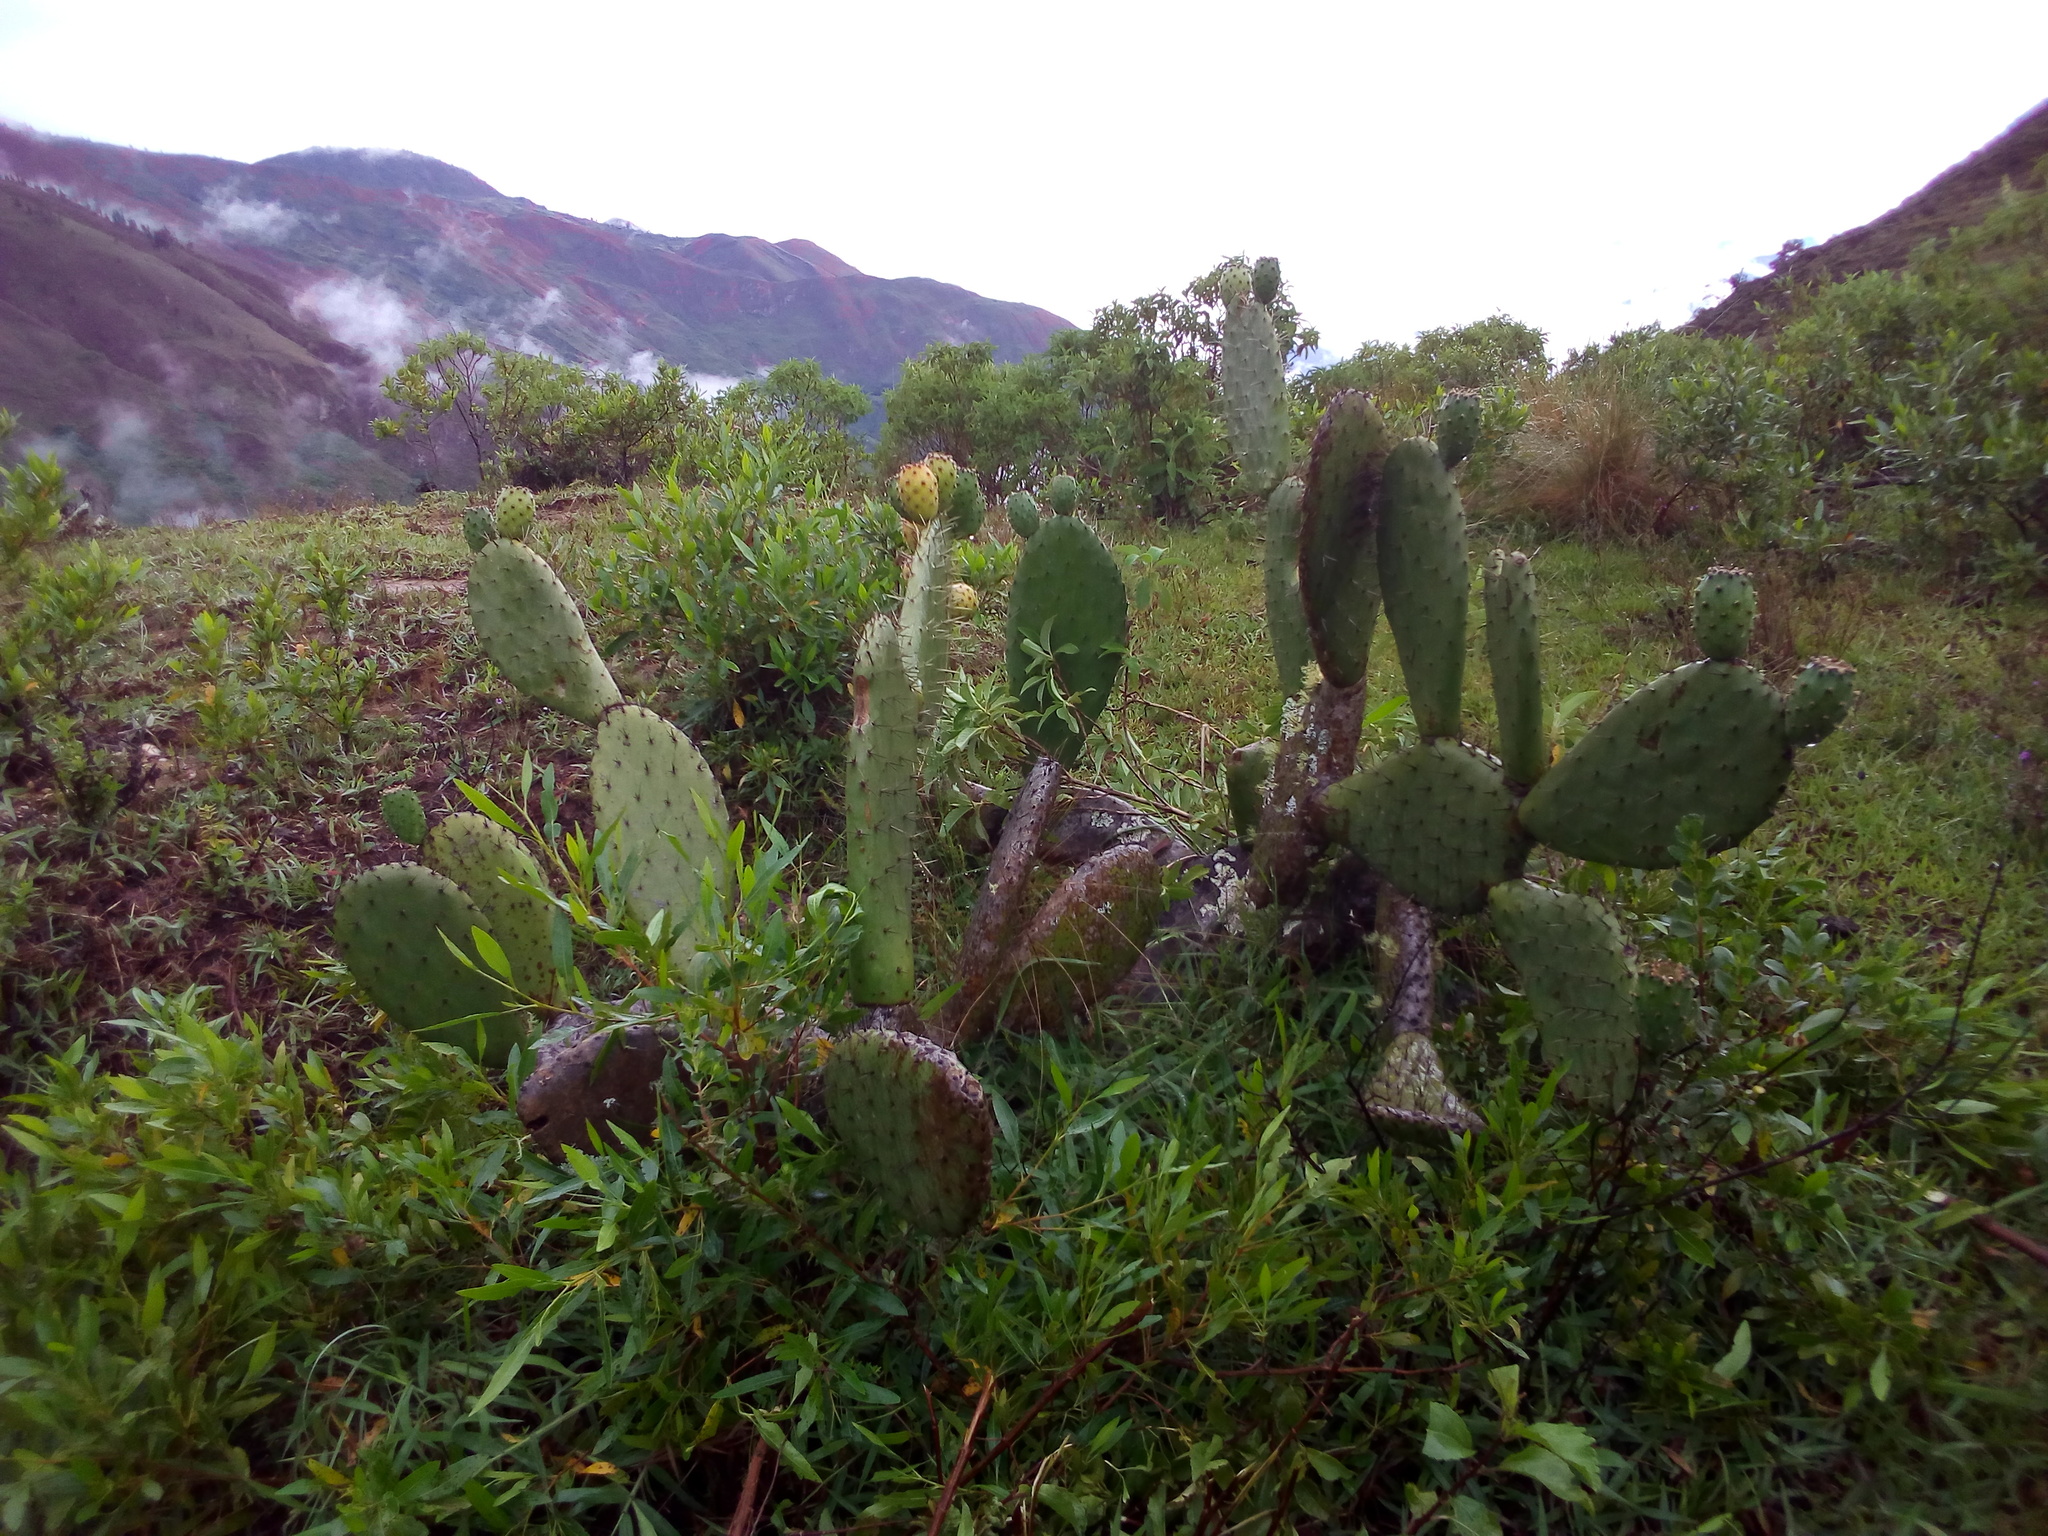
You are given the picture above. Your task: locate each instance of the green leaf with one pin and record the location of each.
(491, 952)
(1448, 1439)
(1328, 1468)
(1549, 1469)
(1730, 1365)
(1881, 1375)
(1570, 1444)
(1470, 1517)
(792, 1458)
(1506, 1381)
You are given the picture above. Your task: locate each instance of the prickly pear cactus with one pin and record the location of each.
(1575, 974)
(655, 796)
(1724, 613)
(1708, 739)
(916, 1124)
(1286, 620)
(1063, 495)
(1266, 279)
(516, 511)
(1254, 388)
(1437, 820)
(881, 815)
(917, 492)
(1339, 557)
(1457, 428)
(482, 857)
(478, 528)
(1514, 657)
(1068, 591)
(947, 473)
(1086, 937)
(404, 816)
(1410, 1089)
(1022, 510)
(389, 924)
(1424, 580)
(529, 625)
(1819, 700)
(1667, 1006)
(966, 508)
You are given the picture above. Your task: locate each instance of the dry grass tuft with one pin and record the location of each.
(1587, 463)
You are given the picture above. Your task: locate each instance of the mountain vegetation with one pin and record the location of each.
(719, 982)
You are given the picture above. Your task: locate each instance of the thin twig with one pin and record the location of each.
(747, 1510)
(988, 1392)
(2036, 1251)
(1058, 1384)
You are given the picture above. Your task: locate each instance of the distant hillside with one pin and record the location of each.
(1959, 197)
(336, 260)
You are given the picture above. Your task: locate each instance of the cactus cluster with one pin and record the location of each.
(1449, 825)
(936, 484)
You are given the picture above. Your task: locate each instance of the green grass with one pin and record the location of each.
(1210, 1298)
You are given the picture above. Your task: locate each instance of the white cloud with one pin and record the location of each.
(232, 218)
(364, 313)
(640, 368)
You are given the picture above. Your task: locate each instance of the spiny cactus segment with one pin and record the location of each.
(1254, 388)
(1574, 971)
(917, 1125)
(1286, 619)
(516, 512)
(1819, 700)
(917, 492)
(1424, 580)
(1724, 613)
(1266, 279)
(1437, 820)
(1067, 598)
(1339, 557)
(1086, 937)
(1022, 511)
(502, 881)
(1514, 657)
(1244, 780)
(926, 629)
(478, 528)
(881, 815)
(655, 798)
(1457, 428)
(529, 625)
(1063, 495)
(404, 817)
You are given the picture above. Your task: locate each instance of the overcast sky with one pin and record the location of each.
(1582, 166)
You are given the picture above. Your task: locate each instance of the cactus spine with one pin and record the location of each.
(881, 813)
(1819, 700)
(1063, 495)
(478, 528)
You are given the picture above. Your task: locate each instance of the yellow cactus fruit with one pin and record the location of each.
(918, 489)
(962, 601)
(947, 473)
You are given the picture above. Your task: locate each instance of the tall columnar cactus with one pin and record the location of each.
(502, 881)
(881, 816)
(655, 798)
(394, 926)
(1068, 600)
(1254, 389)
(529, 625)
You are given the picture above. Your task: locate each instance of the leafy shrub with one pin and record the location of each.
(755, 589)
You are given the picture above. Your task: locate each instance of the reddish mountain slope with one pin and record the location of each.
(1957, 198)
(340, 259)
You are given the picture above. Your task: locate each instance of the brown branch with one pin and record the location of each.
(2037, 1251)
(988, 1392)
(747, 1510)
(1058, 1384)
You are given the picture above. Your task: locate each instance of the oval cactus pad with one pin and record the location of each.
(916, 1124)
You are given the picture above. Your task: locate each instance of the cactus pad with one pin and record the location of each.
(1063, 495)
(881, 814)
(947, 473)
(1575, 975)
(1724, 613)
(388, 924)
(1266, 279)
(1667, 1006)
(1410, 1089)
(1339, 559)
(1708, 740)
(528, 624)
(1819, 700)
(516, 510)
(652, 790)
(917, 492)
(1457, 428)
(1086, 937)
(479, 855)
(1513, 656)
(1068, 591)
(478, 528)
(926, 625)
(1235, 285)
(966, 508)
(1244, 783)
(404, 816)
(1437, 820)
(916, 1124)
(1425, 581)
(1022, 511)
(1286, 623)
